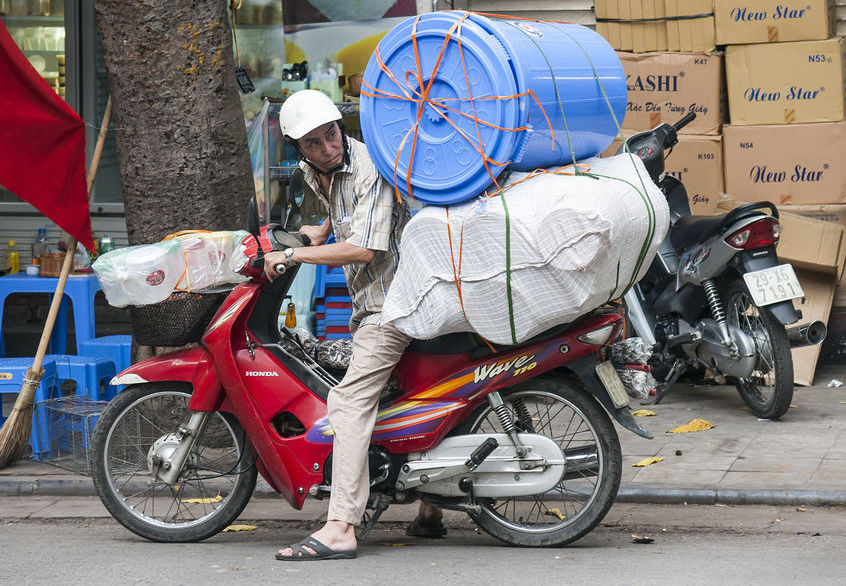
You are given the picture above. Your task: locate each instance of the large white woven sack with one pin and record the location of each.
(566, 245)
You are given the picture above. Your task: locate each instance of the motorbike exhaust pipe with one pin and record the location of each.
(809, 334)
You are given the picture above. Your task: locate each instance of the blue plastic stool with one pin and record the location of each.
(80, 289)
(117, 348)
(88, 372)
(12, 374)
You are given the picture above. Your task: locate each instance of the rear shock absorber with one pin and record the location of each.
(523, 417)
(713, 297)
(712, 294)
(501, 410)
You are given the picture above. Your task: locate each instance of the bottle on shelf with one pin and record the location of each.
(12, 263)
(40, 247)
(105, 244)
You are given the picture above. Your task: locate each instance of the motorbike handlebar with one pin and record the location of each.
(688, 118)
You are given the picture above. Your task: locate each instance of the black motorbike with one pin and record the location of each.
(716, 296)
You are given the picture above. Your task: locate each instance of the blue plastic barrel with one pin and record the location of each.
(573, 72)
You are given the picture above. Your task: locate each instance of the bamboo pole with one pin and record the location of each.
(14, 436)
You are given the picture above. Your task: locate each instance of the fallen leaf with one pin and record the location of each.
(647, 462)
(792, 406)
(641, 539)
(555, 513)
(240, 528)
(394, 543)
(800, 509)
(643, 413)
(205, 501)
(695, 425)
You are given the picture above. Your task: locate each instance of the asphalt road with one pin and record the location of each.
(706, 545)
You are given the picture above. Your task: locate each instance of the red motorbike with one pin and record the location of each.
(518, 437)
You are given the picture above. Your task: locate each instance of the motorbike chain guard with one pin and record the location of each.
(440, 470)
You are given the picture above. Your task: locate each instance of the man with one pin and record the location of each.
(367, 221)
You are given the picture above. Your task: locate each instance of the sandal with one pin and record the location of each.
(318, 551)
(415, 529)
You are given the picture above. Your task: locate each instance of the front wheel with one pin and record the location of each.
(768, 390)
(214, 487)
(555, 408)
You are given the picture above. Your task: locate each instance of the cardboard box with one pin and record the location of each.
(805, 242)
(641, 26)
(663, 87)
(816, 304)
(697, 161)
(796, 164)
(771, 21)
(690, 25)
(828, 213)
(786, 83)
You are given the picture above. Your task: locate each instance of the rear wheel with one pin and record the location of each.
(577, 423)
(768, 390)
(214, 487)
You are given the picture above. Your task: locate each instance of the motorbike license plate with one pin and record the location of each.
(611, 380)
(772, 285)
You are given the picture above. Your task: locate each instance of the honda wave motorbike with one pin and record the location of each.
(716, 296)
(517, 437)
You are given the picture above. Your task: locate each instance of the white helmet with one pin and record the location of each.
(306, 110)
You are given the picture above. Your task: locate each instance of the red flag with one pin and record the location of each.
(42, 145)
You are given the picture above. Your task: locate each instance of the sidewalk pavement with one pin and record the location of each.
(799, 460)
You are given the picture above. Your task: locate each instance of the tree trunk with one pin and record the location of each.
(182, 145)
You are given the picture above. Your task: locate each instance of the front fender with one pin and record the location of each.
(191, 365)
(584, 369)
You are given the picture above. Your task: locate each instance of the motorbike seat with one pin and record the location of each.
(468, 342)
(690, 230)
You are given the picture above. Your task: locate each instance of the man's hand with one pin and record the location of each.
(271, 259)
(317, 234)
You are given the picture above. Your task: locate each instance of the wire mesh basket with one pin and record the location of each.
(65, 427)
(178, 320)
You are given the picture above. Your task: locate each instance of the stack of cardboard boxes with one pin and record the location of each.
(785, 143)
(667, 51)
(656, 25)
(783, 92)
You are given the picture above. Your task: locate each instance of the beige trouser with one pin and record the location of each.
(352, 413)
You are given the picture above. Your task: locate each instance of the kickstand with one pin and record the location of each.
(369, 520)
(675, 372)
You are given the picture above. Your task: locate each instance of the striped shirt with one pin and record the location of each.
(364, 211)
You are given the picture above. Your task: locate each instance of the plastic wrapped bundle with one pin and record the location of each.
(550, 248)
(334, 354)
(147, 274)
(637, 382)
(631, 351)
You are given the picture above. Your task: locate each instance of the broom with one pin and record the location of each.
(14, 436)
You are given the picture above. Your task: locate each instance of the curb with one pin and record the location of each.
(729, 496)
(83, 487)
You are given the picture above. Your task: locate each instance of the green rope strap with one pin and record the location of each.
(508, 270)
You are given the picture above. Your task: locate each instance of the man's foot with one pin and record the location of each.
(334, 536)
(428, 523)
(309, 549)
(435, 530)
